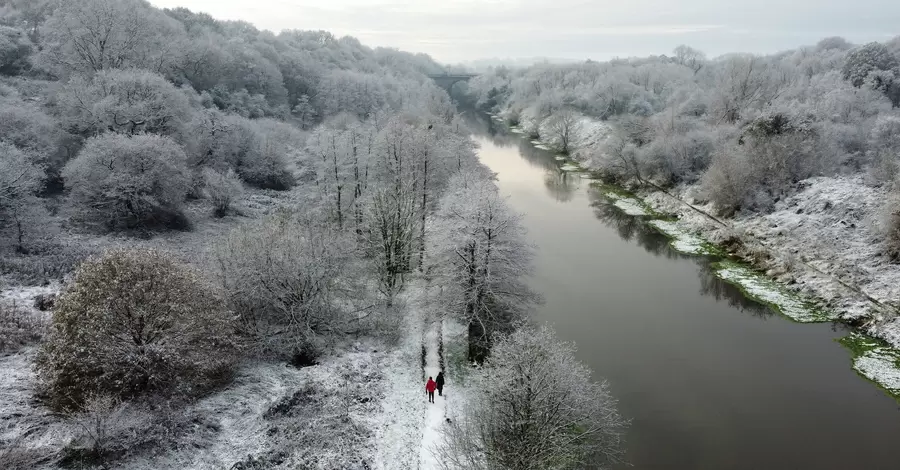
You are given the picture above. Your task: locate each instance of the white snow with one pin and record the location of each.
(435, 413)
(400, 434)
(628, 205)
(22, 420)
(768, 291)
(559, 158)
(824, 238)
(682, 240)
(570, 167)
(880, 366)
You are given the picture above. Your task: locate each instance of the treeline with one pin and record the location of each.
(190, 103)
(745, 127)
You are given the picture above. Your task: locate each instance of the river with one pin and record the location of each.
(709, 378)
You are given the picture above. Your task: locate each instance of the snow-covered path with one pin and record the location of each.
(434, 412)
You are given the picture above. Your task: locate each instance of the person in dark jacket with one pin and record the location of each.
(429, 389)
(440, 383)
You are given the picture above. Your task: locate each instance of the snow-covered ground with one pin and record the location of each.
(435, 413)
(824, 241)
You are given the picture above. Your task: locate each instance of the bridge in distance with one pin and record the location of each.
(447, 80)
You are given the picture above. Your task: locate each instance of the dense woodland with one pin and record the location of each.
(214, 199)
(747, 128)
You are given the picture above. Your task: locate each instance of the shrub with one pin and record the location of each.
(129, 183)
(133, 323)
(222, 190)
(729, 180)
(104, 428)
(282, 277)
(19, 328)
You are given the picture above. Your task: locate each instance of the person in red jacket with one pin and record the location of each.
(429, 389)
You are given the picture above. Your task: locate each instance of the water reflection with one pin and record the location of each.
(562, 185)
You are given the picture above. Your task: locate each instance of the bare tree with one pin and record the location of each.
(534, 406)
(222, 189)
(565, 127)
(479, 256)
(94, 35)
(689, 57)
(20, 210)
(284, 278)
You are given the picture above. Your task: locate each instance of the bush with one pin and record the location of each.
(729, 180)
(45, 262)
(19, 328)
(282, 276)
(129, 183)
(134, 323)
(222, 190)
(104, 428)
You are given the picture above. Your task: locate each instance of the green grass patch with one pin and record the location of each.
(875, 361)
(759, 287)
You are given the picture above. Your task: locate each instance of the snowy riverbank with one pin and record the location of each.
(816, 257)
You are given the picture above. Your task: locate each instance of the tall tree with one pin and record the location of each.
(479, 256)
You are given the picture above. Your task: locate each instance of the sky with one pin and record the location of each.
(456, 31)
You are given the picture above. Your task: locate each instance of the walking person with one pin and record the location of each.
(440, 383)
(429, 389)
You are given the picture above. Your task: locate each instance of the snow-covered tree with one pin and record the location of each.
(134, 322)
(15, 51)
(21, 212)
(120, 182)
(689, 57)
(222, 189)
(565, 130)
(533, 405)
(479, 255)
(866, 59)
(125, 101)
(284, 277)
(86, 36)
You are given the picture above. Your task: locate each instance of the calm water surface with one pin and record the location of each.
(709, 378)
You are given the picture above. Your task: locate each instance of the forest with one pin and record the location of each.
(219, 247)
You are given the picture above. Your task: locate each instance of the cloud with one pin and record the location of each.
(455, 30)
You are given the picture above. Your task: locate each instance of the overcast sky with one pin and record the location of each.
(462, 30)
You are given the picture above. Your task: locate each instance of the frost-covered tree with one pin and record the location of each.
(866, 59)
(21, 212)
(15, 51)
(565, 130)
(479, 254)
(341, 152)
(533, 405)
(284, 277)
(86, 36)
(119, 182)
(689, 57)
(135, 322)
(222, 189)
(884, 140)
(125, 101)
